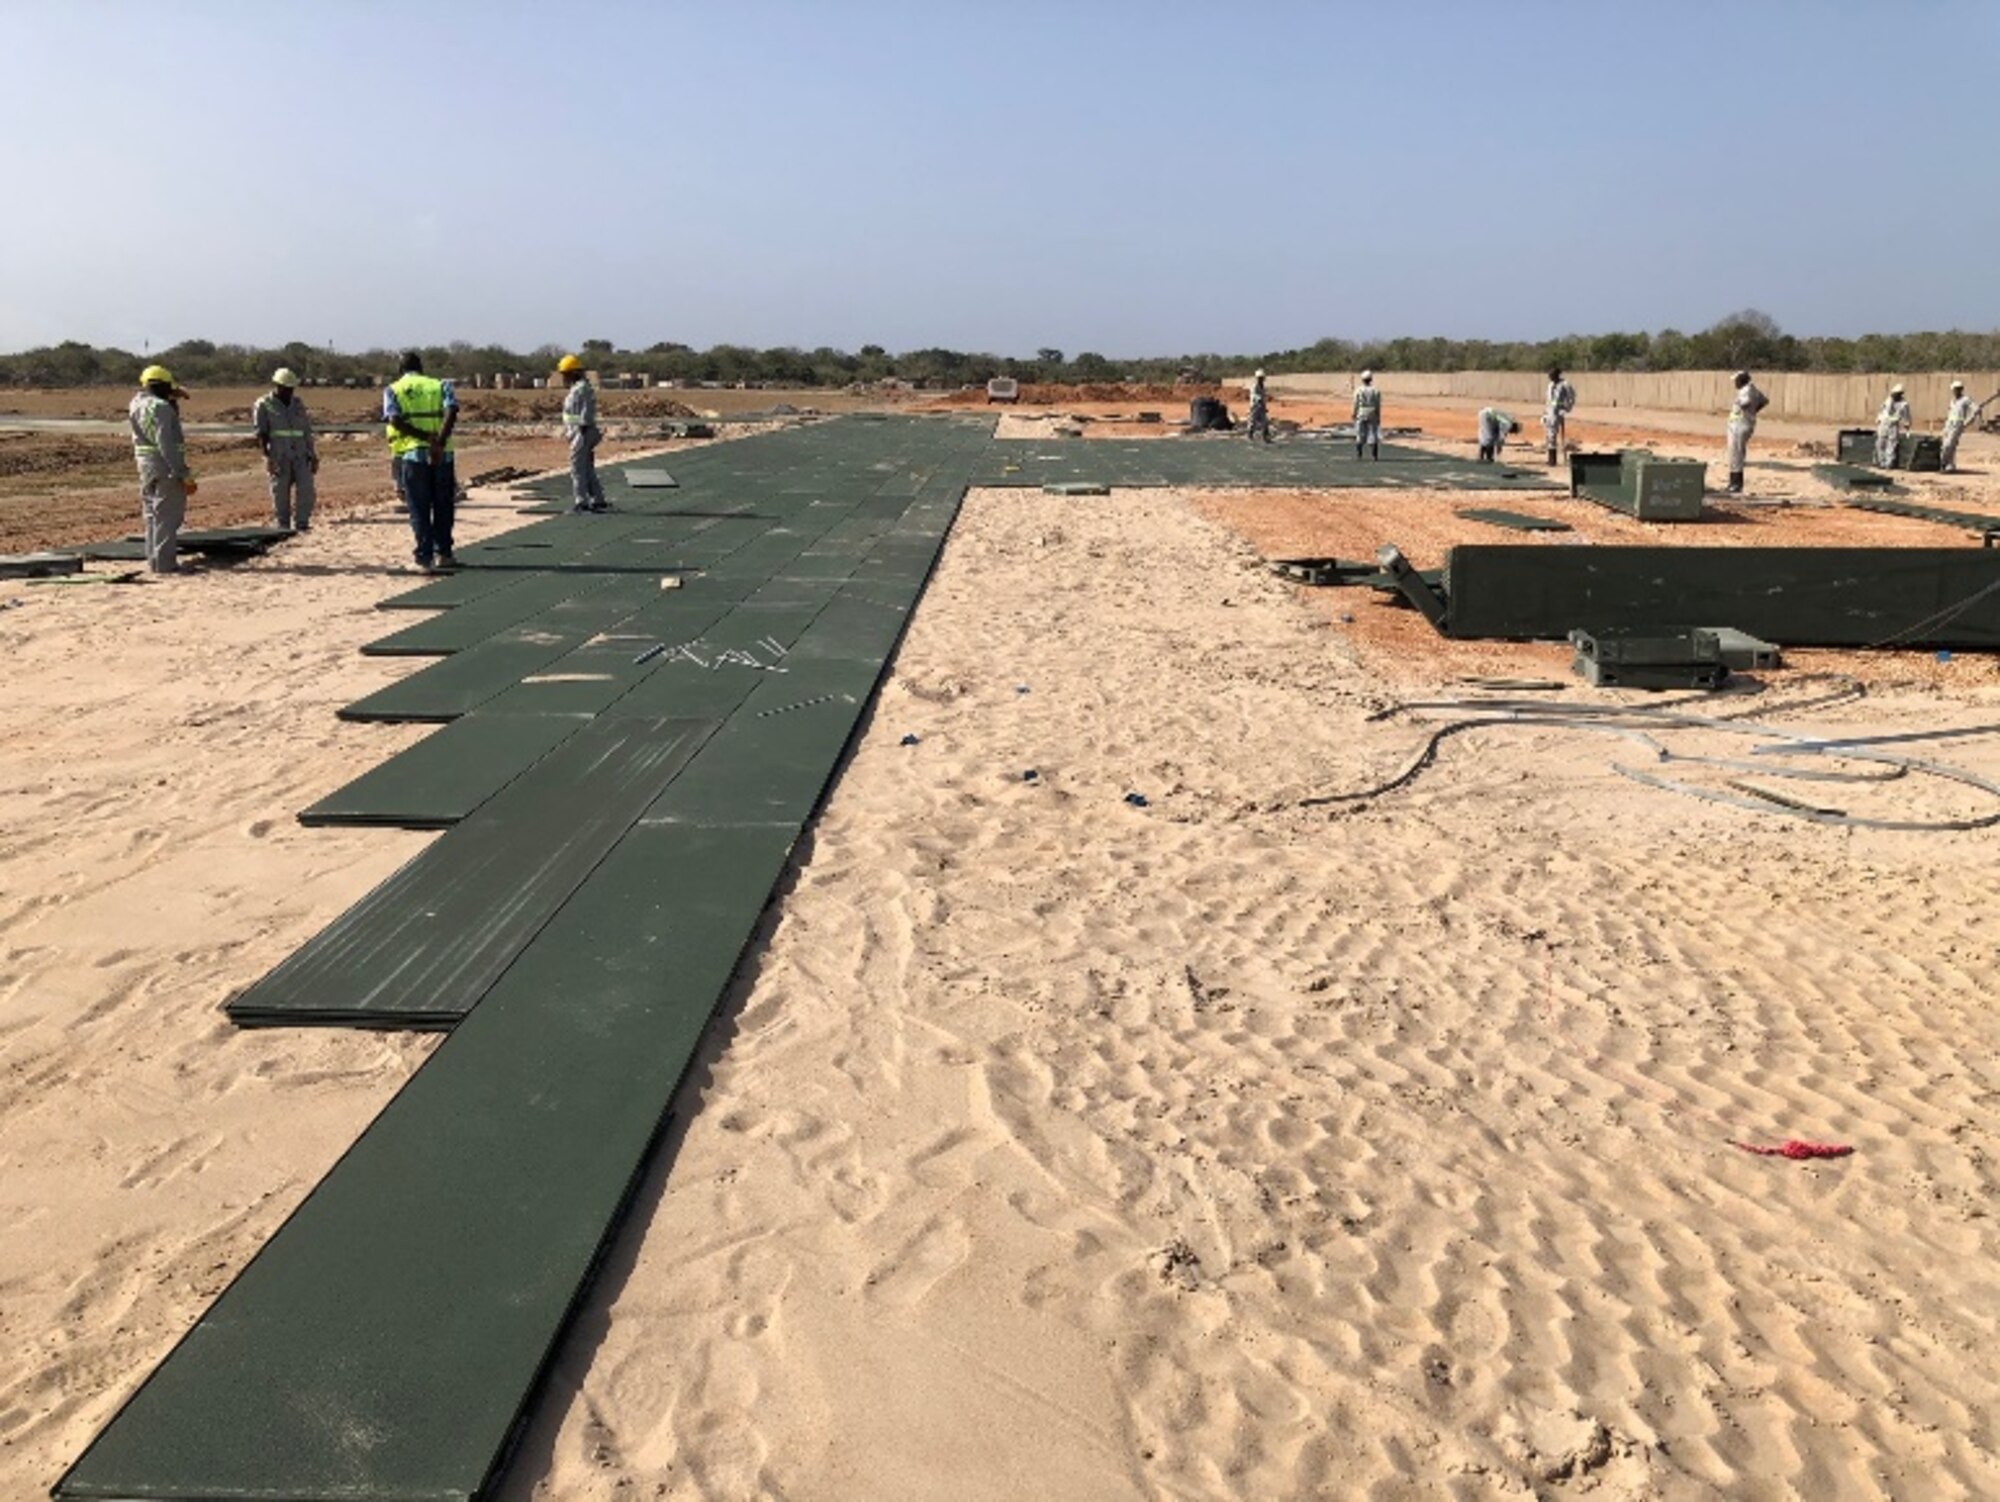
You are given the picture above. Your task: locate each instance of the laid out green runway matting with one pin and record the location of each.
(639, 715)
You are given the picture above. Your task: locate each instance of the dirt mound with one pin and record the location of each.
(644, 404)
(60, 455)
(528, 406)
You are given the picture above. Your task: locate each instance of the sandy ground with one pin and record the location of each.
(1052, 1146)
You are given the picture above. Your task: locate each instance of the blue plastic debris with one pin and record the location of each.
(1030, 775)
(908, 740)
(1020, 688)
(1137, 800)
(1943, 655)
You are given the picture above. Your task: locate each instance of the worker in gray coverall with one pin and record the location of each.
(1494, 426)
(1367, 417)
(1891, 423)
(1556, 407)
(1260, 408)
(580, 427)
(284, 433)
(164, 481)
(1743, 410)
(1960, 415)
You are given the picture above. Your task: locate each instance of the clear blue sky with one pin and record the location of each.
(1127, 178)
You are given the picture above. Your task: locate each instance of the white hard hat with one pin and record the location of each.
(284, 377)
(1367, 375)
(1897, 389)
(1258, 376)
(1958, 385)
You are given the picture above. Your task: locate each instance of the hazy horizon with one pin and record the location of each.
(1134, 180)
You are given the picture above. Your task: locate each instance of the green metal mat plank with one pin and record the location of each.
(772, 760)
(454, 685)
(1804, 597)
(708, 674)
(1211, 462)
(602, 670)
(1855, 477)
(424, 946)
(484, 616)
(1976, 521)
(854, 626)
(451, 591)
(448, 774)
(387, 1340)
(384, 1345)
(1517, 521)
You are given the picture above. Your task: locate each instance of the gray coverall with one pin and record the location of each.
(1891, 423)
(580, 427)
(284, 432)
(1958, 417)
(1555, 412)
(1494, 426)
(1367, 420)
(1743, 412)
(163, 474)
(1260, 411)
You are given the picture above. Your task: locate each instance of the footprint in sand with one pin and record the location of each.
(924, 1261)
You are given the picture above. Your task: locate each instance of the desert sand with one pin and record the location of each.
(1229, 1145)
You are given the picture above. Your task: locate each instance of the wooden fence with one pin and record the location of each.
(1842, 400)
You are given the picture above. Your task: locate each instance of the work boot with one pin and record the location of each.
(1736, 482)
(1375, 452)
(1552, 458)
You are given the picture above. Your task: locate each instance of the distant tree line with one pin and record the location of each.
(1749, 338)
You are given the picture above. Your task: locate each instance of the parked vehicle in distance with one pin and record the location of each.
(1003, 389)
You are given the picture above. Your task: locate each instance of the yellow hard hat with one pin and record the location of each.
(284, 377)
(156, 375)
(568, 363)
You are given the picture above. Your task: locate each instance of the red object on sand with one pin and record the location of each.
(1793, 1148)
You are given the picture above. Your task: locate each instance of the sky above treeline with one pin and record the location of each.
(1131, 179)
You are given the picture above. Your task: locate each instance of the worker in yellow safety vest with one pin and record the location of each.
(165, 482)
(420, 413)
(285, 434)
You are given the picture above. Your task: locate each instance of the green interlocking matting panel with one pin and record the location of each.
(385, 1342)
(1855, 478)
(1977, 521)
(626, 772)
(222, 542)
(1803, 597)
(1514, 521)
(423, 947)
(1222, 462)
(449, 773)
